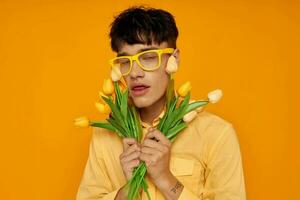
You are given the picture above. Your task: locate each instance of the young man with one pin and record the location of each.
(204, 161)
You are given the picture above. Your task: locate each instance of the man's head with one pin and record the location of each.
(136, 30)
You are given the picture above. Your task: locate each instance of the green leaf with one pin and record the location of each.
(161, 122)
(132, 124)
(170, 92)
(118, 127)
(103, 125)
(138, 126)
(167, 113)
(124, 105)
(118, 94)
(195, 105)
(139, 178)
(115, 112)
(175, 115)
(176, 129)
(145, 188)
(173, 104)
(129, 120)
(181, 110)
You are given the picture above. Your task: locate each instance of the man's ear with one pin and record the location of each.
(176, 54)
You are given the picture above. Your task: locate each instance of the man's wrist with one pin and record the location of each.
(169, 186)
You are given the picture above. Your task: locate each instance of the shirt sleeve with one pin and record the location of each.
(224, 172)
(95, 183)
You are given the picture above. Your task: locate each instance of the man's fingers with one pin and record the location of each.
(153, 144)
(127, 142)
(130, 149)
(134, 155)
(148, 159)
(158, 136)
(133, 163)
(151, 151)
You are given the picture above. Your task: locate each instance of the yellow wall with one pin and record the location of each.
(53, 57)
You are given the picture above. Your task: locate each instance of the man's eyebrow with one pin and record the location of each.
(141, 50)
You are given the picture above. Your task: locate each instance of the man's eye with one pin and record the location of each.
(149, 57)
(124, 62)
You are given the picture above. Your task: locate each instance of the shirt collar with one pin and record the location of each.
(155, 121)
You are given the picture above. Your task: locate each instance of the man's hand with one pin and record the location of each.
(155, 151)
(129, 159)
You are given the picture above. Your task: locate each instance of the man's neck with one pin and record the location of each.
(148, 114)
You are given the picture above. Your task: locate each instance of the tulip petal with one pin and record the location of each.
(115, 73)
(172, 65)
(189, 116)
(184, 89)
(215, 96)
(108, 87)
(81, 122)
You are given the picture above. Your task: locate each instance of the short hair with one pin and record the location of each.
(143, 25)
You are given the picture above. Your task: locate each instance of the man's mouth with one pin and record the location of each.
(139, 89)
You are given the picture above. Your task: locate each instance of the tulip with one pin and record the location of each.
(179, 101)
(102, 108)
(82, 122)
(184, 89)
(115, 73)
(108, 87)
(122, 84)
(171, 65)
(189, 116)
(214, 96)
(101, 94)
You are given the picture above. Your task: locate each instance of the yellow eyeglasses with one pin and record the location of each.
(149, 60)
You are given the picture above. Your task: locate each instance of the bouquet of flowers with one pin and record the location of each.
(123, 118)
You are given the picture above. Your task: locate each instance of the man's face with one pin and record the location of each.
(146, 87)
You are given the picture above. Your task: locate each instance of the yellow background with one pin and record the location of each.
(53, 58)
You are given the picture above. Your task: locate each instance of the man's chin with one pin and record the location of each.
(141, 103)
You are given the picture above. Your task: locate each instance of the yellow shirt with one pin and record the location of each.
(205, 158)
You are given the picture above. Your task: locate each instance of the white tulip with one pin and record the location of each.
(171, 65)
(115, 73)
(214, 96)
(189, 116)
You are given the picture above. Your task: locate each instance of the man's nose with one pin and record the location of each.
(136, 70)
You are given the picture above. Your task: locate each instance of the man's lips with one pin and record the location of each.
(139, 89)
(139, 86)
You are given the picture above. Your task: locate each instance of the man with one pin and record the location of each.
(204, 161)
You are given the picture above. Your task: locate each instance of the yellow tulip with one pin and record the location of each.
(102, 108)
(122, 84)
(101, 94)
(189, 116)
(184, 89)
(115, 73)
(108, 87)
(82, 122)
(180, 99)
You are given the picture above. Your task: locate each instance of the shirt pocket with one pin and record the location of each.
(188, 172)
